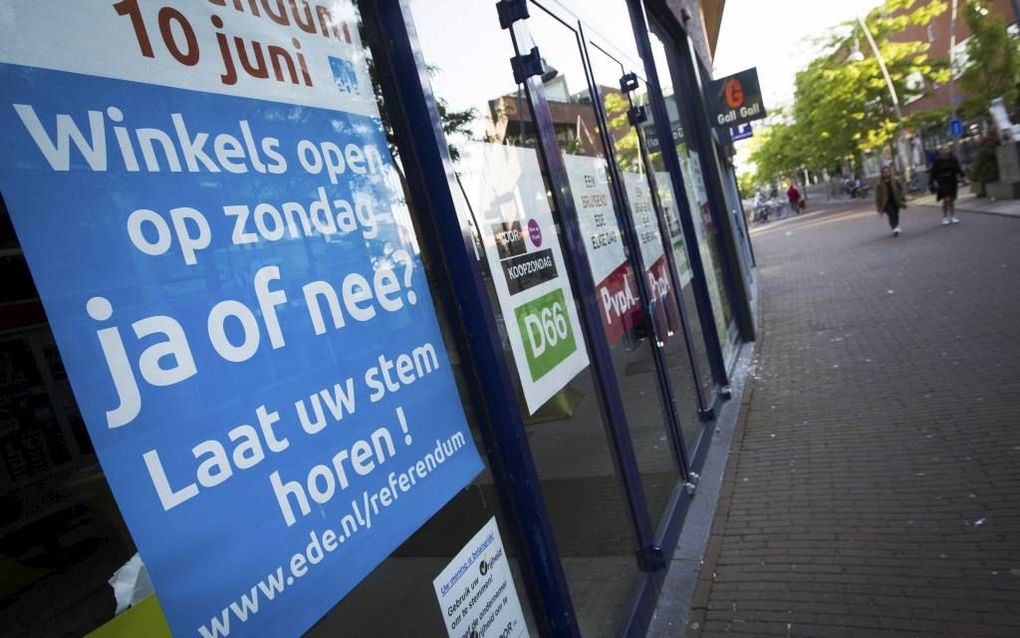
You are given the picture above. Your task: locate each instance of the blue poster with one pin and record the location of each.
(217, 231)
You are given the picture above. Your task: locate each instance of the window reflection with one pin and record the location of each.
(574, 460)
(639, 158)
(631, 331)
(691, 159)
(61, 534)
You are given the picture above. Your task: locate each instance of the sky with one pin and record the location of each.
(775, 36)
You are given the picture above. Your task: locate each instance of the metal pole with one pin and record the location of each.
(952, 67)
(892, 93)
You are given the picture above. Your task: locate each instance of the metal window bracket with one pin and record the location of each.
(511, 11)
(527, 65)
(652, 558)
(636, 115)
(628, 82)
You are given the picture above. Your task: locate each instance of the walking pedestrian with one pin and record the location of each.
(943, 181)
(889, 198)
(793, 195)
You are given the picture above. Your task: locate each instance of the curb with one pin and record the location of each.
(706, 572)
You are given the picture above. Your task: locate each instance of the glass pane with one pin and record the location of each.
(643, 169)
(691, 159)
(627, 327)
(63, 535)
(505, 187)
(405, 580)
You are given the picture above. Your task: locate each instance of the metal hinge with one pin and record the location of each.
(628, 82)
(511, 11)
(526, 66)
(690, 488)
(652, 558)
(636, 115)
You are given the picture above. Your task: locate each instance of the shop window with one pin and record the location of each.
(62, 536)
(632, 332)
(692, 161)
(640, 162)
(505, 190)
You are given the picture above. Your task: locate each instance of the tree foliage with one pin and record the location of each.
(842, 106)
(457, 125)
(745, 184)
(625, 136)
(777, 151)
(993, 61)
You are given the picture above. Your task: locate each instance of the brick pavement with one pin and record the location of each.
(874, 486)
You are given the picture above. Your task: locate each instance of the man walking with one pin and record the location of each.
(942, 180)
(889, 199)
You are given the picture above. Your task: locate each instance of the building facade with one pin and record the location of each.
(358, 318)
(946, 36)
(948, 40)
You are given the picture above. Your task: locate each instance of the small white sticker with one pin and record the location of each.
(476, 590)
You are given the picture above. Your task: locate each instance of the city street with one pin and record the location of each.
(872, 484)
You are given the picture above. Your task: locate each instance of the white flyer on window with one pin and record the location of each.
(653, 254)
(603, 242)
(476, 590)
(645, 223)
(676, 233)
(507, 193)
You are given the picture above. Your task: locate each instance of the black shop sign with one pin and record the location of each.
(736, 99)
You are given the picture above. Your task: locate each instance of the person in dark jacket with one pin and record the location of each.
(943, 181)
(889, 198)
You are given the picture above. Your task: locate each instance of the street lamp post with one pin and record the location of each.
(857, 56)
(952, 65)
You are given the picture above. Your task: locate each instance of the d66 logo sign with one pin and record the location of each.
(548, 337)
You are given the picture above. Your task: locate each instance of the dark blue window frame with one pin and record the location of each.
(695, 113)
(432, 181)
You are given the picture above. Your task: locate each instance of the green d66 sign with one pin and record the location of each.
(548, 338)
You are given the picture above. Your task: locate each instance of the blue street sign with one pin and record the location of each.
(741, 132)
(956, 127)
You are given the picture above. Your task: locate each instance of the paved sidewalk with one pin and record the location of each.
(971, 203)
(874, 485)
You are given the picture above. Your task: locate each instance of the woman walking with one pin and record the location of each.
(942, 180)
(793, 196)
(889, 199)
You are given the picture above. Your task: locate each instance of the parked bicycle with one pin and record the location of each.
(769, 208)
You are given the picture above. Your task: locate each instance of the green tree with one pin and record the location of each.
(993, 61)
(456, 124)
(934, 117)
(745, 183)
(842, 105)
(777, 152)
(628, 153)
